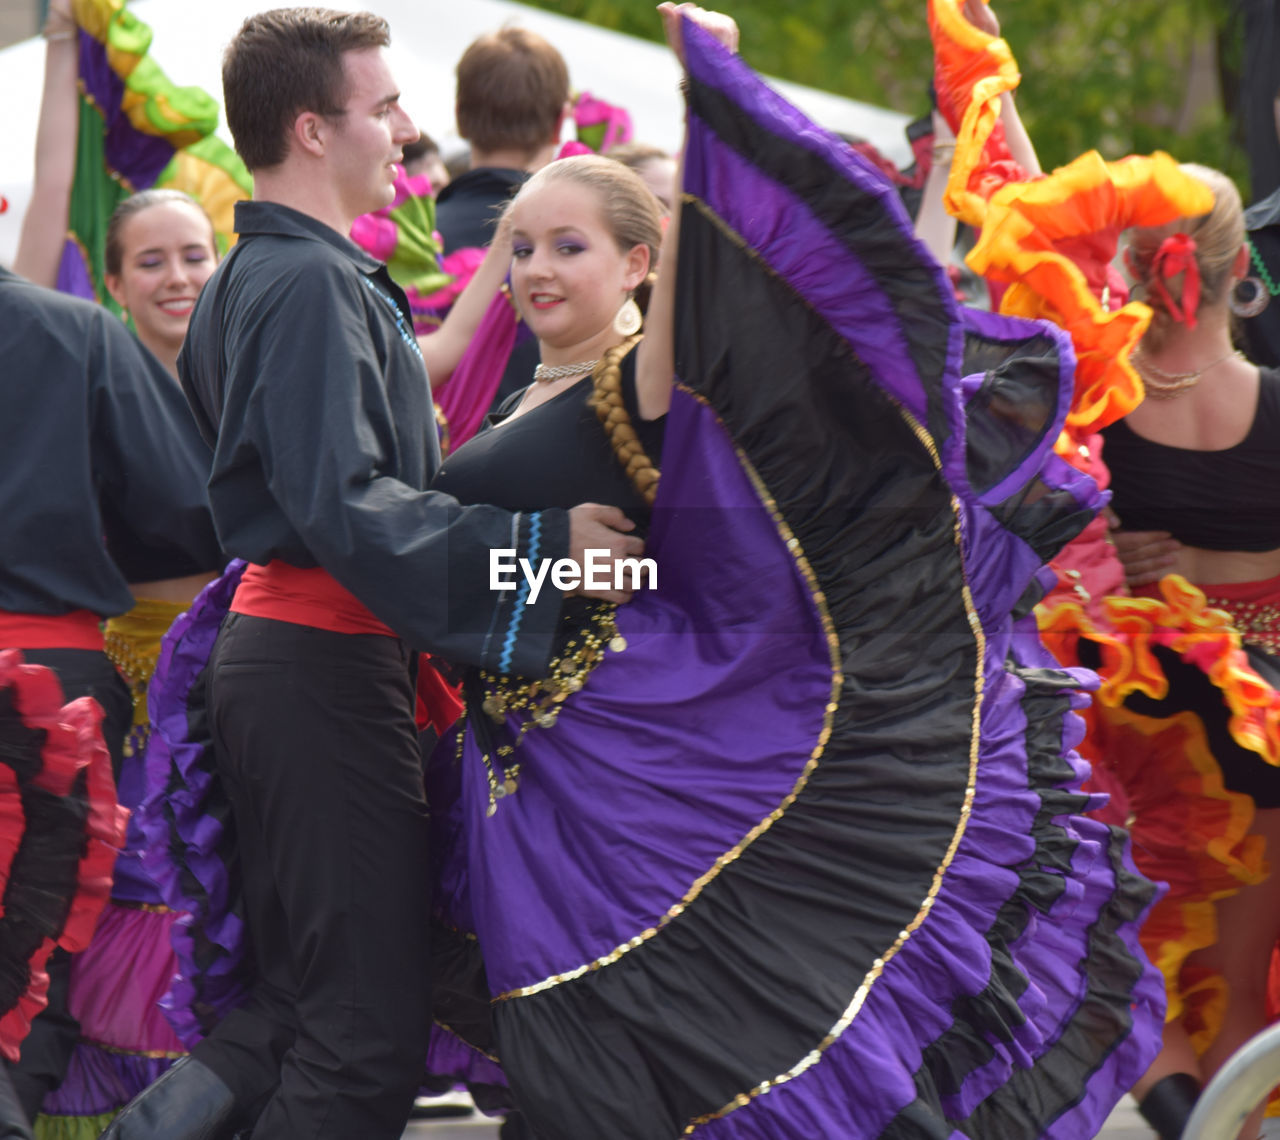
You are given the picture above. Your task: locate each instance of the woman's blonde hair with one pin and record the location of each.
(1218, 236)
(631, 213)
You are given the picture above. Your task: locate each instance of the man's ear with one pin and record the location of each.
(565, 112)
(310, 133)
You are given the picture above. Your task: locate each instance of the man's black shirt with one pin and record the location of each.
(103, 477)
(304, 375)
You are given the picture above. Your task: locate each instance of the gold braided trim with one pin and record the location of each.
(474, 1048)
(121, 1051)
(145, 908)
(606, 400)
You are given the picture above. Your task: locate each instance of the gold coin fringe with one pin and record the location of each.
(541, 700)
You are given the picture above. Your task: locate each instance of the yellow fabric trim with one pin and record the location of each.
(1239, 853)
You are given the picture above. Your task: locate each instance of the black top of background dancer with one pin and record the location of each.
(1261, 334)
(467, 213)
(1217, 500)
(96, 439)
(467, 210)
(304, 374)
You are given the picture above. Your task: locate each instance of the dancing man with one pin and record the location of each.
(303, 372)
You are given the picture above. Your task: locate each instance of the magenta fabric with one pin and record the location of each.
(117, 983)
(467, 395)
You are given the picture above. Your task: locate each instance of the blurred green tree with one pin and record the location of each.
(1123, 77)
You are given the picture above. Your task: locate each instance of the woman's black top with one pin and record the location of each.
(555, 455)
(1215, 500)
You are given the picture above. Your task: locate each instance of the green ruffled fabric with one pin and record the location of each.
(185, 117)
(154, 104)
(95, 193)
(416, 261)
(72, 1127)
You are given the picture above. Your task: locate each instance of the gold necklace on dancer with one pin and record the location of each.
(549, 372)
(1161, 385)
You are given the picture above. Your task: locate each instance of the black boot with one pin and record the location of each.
(1169, 1103)
(190, 1102)
(13, 1120)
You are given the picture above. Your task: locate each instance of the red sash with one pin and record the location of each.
(77, 630)
(303, 597)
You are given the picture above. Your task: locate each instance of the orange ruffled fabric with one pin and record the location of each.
(1181, 620)
(1188, 829)
(971, 71)
(72, 748)
(1051, 239)
(1037, 236)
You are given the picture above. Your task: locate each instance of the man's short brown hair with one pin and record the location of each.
(512, 88)
(284, 62)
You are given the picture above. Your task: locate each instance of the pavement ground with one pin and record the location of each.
(1123, 1124)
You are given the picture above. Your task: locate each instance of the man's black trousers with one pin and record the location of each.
(316, 744)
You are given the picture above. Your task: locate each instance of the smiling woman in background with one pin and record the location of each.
(160, 251)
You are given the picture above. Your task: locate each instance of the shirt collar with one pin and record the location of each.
(273, 218)
(484, 178)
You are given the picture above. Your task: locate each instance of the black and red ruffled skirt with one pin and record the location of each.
(60, 829)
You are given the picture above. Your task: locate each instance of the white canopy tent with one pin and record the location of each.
(428, 37)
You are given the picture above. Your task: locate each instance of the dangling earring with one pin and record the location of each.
(1249, 298)
(628, 320)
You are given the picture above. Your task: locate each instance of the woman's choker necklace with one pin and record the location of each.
(1162, 385)
(549, 372)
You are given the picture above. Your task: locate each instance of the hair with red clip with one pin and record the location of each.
(1176, 257)
(1181, 268)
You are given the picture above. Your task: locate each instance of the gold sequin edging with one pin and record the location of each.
(975, 624)
(837, 682)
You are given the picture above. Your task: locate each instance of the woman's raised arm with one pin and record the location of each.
(443, 349)
(44, 227)
(980, 15)
(655, 358)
